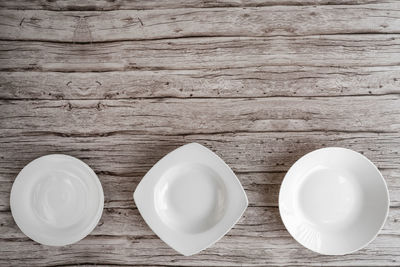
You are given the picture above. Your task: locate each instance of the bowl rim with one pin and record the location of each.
(346, 150)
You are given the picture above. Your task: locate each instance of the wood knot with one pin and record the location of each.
(99, 106)
(68, 106)
(82, 33)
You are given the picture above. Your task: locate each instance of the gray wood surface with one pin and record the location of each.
(119, 84)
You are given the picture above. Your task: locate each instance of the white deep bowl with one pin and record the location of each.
(334, 201)
(56, 200)
(190, 198)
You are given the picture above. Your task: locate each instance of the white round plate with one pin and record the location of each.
(334, 201)
(56, 200)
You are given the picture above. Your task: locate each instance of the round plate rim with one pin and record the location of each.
(90, 226)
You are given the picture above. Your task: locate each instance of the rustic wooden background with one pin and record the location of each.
(119, 84)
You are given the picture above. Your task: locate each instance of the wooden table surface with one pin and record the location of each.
(119, 84)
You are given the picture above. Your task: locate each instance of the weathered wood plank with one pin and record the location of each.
(190, 116)
(336, 52)
(108, 250)
(258, 239)
(265, 81)
(260, 160)
(89, 27)
(132, 155)
(230, 251)
(103, 5)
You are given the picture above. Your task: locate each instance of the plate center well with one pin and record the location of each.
(190, 198)
(59, 199)
(329, 198)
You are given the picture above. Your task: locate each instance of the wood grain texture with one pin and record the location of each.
(174, 116)
(265, 81)
(335, 52)
(119, 84)
(106, 5)
(89, 27)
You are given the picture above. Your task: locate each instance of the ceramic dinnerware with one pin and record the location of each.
(56, 200)
(333, 201)
(190, 198)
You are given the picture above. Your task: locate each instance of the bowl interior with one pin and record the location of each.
(190, 198)
(334, 201)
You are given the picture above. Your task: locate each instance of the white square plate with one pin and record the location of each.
(190, 198)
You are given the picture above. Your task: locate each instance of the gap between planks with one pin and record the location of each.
(201, 37)
(396, 94)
